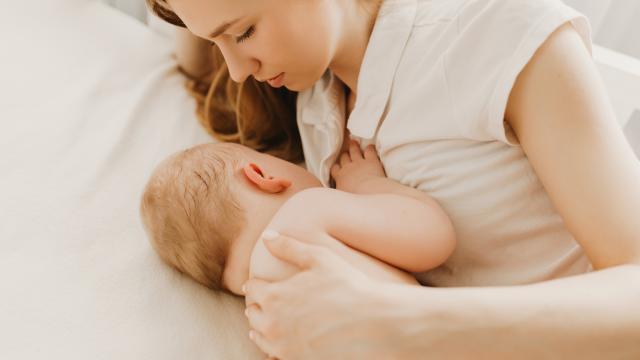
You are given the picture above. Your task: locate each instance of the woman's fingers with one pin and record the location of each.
(288, 317)
(256, 318)
(255, 291)
(295, 252)
(334, 170)
(257, 338)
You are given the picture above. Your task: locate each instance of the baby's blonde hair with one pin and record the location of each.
(190, 213)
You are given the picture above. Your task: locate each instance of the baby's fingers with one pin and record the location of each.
(345, 158)
(335, 169)
(354, 150)
(370, 152)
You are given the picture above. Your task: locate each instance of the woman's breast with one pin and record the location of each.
(507, 229)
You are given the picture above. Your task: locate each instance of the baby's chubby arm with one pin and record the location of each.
(376, 215)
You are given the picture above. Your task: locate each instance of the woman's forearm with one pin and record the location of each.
(193, 54)
(591, 316)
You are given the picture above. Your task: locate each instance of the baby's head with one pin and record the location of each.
(198, 202)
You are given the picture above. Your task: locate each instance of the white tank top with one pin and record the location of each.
(432, 94)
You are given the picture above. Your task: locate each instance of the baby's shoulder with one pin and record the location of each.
(307, 211)
(318, 202)
(308, 203)
(308, 196)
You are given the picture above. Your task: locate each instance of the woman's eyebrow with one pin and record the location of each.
(222, 28)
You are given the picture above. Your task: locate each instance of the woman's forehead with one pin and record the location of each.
(202, 17)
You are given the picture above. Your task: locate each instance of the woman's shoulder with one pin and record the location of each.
(463, 13)
(470, 52)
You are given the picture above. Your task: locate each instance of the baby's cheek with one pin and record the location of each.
(265, 266)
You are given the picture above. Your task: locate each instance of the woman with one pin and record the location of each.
(495, 108)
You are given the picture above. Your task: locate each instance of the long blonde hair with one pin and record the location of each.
(249, 113)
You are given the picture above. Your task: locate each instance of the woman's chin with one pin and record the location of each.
(299, 85)
(292, 87)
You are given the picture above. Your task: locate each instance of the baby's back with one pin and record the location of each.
(306, 217)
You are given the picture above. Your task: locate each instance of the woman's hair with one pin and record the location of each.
(250, 113)
(190, 213)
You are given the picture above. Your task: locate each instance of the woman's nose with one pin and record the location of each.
(240, 66)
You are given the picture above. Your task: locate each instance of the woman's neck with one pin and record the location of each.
(357, 26)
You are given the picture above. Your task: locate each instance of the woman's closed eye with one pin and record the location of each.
(239, 39)
(247, 34)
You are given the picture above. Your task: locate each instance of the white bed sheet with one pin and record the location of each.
(90, 101)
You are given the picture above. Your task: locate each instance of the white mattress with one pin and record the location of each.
(90, 101)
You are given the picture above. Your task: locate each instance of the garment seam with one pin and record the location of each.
(509, 65)
(436, 22)
(448, 86)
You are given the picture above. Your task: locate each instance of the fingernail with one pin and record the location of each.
(252, 336)
(269, 235)
(246, 312)
(244, 288)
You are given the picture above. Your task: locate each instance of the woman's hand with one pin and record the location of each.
(328, 310)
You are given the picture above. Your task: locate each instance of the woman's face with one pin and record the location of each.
(267, 38)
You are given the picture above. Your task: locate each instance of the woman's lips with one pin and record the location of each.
(277, 81)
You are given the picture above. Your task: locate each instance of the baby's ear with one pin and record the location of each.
(264, 182)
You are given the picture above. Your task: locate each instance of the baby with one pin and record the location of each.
(205, 209)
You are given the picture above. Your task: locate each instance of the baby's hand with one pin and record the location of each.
(354, 169)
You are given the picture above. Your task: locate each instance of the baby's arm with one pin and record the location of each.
(399, 230)
(395, 223)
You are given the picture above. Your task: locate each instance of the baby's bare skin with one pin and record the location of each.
(291, 221)
(363, 238)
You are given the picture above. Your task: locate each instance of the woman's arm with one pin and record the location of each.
(593, 316)
(194, 54)
(560, 112)
(331, 310)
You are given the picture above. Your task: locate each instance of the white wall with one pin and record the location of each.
(138, 9)
(616, 23)
(135, 8)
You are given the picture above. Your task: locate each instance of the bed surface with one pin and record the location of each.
(90, 101)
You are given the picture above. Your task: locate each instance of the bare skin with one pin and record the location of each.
(354, 220)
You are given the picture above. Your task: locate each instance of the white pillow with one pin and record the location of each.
(135, 8)
(160, 26)
(90, 101)
(632, 131)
